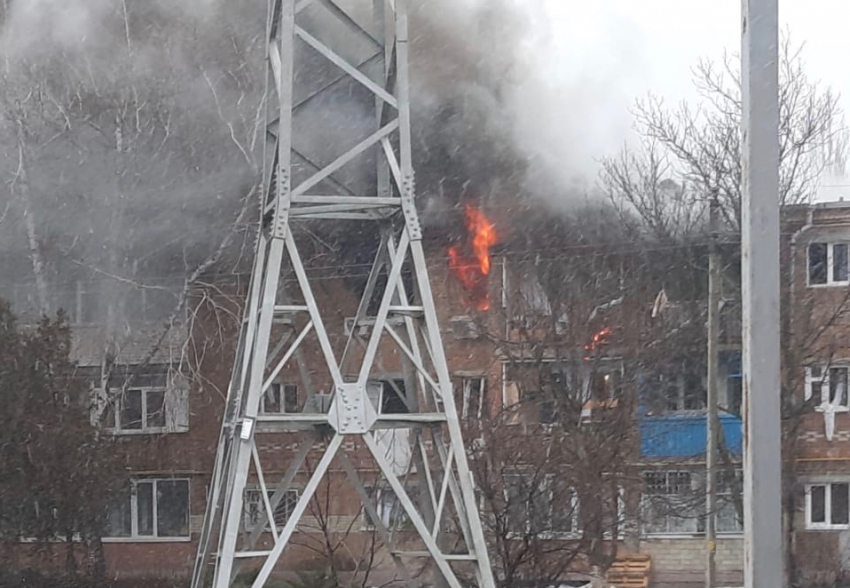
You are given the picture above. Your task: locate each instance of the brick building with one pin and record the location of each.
(166, 422)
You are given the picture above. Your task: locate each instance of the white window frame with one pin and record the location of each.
(826, 525)
(829, 264)
(134, 514)
(145, 429)
(647, 497)
(823, 380)
(291, 495)
(696, 480)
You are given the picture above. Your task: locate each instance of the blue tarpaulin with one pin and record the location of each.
(683, 435)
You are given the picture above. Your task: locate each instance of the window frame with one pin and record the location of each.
(134, 536)
(830, 257)
(396, 510)
(696, 484)
(545, 486)
(261, 512)
(282, 387)
(467, 393)
(118, 407)
(827, 525)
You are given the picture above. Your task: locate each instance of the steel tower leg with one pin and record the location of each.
(282, 319)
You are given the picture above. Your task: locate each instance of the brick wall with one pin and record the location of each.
(680, 563)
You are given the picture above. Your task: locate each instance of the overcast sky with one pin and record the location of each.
(619, 50)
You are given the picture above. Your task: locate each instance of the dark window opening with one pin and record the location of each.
(391, 399)
(817, 263)
(840, 511)
(818, 504)
(839, 262)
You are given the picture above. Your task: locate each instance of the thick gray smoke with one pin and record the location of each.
(131, 129)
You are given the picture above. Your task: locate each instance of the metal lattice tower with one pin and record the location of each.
(280, 318)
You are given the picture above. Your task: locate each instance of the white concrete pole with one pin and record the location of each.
(763, 565)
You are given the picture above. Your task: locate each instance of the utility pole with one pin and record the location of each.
(711, 412)
(763, 565)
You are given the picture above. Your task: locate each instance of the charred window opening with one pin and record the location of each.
(388, 396)
(280, 399)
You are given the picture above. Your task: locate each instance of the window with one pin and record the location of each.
(280, 399)
(139, 410)
(731, 364)
(827, 385)
(140, 400)
(389, 509)
(670, 503)
(474, 391)
(387, 396)
(606, 381)
(828, 264)
(151, 509)
(828, 506)
(729, 488)
(678, 388)
(673, 502)
(255, 508)
(541, 506)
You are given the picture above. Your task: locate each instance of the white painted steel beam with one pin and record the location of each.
(265, 347)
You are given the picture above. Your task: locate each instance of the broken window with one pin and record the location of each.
(150, 508)
(829, 263)
(472, 402)
(255, 508)
(678, 388)
(387, 396)
(828, 506)
(827, 385)
(280, 399)
(606, 380)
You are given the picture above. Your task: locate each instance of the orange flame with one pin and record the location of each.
(598, 338)
(472, 271)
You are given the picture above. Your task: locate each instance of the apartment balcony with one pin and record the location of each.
(683, 435)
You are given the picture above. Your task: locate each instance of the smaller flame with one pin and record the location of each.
(598, 339)
(472, 271)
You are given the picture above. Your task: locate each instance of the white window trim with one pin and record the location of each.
(683, 534)
(823, 379)
(134, 523)
(826, 525)
(829, 264)
(144, 430)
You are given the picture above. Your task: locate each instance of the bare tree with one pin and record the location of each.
(697, 147)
